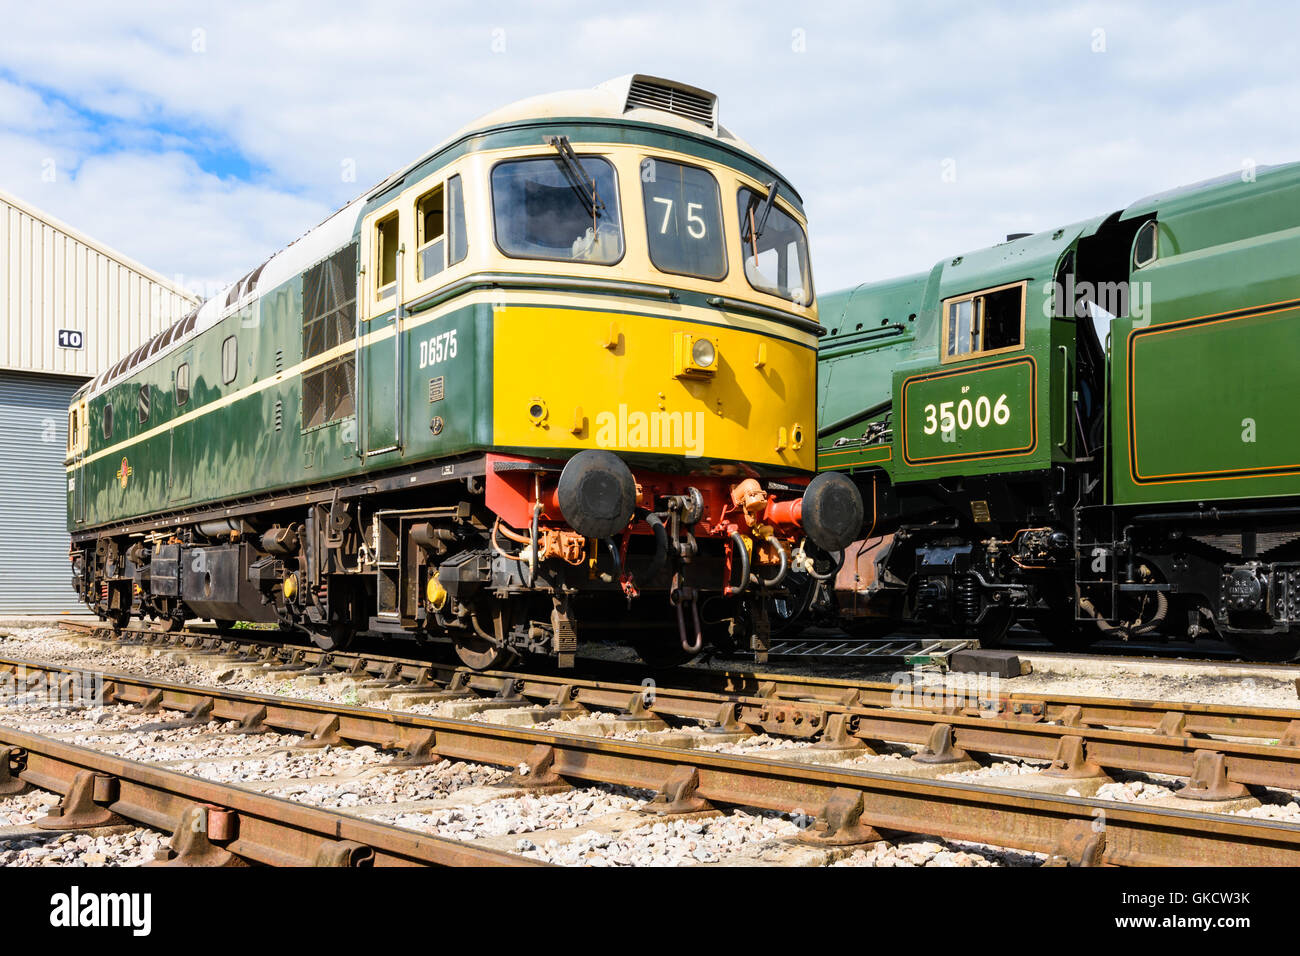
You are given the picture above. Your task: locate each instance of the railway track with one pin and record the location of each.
(213, 823)
(845, 805)
(1219, 748)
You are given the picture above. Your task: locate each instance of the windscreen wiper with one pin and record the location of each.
(586, 188)
(758, 221)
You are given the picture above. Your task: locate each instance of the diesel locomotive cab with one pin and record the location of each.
(554, 380)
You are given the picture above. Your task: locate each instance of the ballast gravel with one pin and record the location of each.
(25, 808)
(51, 645)
(1002, 768)
(665, 843)
(282, 765)
(529, 813)
(204, 742)
(938, 854)
(1288, 812)
(755, 744)
(431, 782)
(131, 848)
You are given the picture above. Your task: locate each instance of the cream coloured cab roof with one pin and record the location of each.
(636, 96)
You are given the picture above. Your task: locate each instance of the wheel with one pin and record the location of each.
(119, 619)
(477, 649)
(171, 616)
(337, 638)
(868, 628)
(481, 654)
(787, 609)
(1058, 625)
(663, 653)
(223, 624)
(992, 630)
(1281, 648)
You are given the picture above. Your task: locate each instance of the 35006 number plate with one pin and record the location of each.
(987, 411)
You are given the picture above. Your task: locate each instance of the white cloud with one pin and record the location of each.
(1044, 130)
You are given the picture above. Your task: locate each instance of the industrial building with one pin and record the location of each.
(71, 307)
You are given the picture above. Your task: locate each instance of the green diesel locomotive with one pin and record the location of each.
(1087, 428)
(565, 359)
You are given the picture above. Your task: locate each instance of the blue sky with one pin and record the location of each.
(199, 138)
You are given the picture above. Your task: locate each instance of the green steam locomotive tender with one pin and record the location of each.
(561, 366)
(1088, 428)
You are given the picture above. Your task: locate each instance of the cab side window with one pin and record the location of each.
(430, 223)
(984, 323)
(386, 243)
(1145, 245)
(457, 244)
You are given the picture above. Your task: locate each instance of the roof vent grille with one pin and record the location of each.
(686, 102)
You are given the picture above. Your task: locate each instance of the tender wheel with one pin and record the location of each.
(171, 624)
(1279, 648)
(1058, 625)
(120, 620)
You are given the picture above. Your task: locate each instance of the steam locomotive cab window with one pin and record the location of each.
(984, 323)
(775, 248)
(683, 213)
(552, 208)
(1144, 245)
(386, 257)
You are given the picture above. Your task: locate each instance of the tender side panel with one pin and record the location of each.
(1204, 404)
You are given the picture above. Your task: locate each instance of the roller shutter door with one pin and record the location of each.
(34, 569)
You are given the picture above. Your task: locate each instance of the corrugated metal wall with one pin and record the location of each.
(52, 278)
(34, 571)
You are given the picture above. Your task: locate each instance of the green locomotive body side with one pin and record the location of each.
(1204, 380)
(247, 437)
(995, 412)
(1075, 475)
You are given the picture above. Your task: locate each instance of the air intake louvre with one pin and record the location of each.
(693, 105)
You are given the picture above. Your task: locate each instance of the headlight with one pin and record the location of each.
(703, 353)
